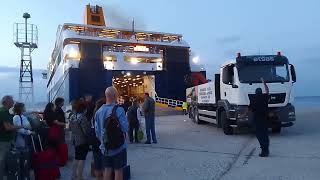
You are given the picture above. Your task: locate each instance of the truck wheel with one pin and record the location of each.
(276, 130)
(196, 117)
(227, 129)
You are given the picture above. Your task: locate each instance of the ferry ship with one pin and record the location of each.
(89, 57)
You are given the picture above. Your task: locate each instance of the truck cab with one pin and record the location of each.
(236, 84)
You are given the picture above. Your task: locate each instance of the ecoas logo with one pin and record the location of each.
(263, 59)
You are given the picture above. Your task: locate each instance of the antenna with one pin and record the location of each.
(26, 39)
(132, 24)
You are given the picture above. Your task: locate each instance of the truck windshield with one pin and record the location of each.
(270, 73)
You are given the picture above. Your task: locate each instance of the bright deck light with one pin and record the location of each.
(134, 61)
(73, 54)
(108, 64)
(195, 60)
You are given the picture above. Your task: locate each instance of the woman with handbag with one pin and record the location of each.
(54, 131)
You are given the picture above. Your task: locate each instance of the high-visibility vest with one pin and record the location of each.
(184, 105)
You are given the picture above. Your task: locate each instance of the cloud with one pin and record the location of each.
(228, 39)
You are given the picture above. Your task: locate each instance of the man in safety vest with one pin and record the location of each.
(185, 108)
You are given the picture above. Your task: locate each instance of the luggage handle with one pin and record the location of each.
(34, 146)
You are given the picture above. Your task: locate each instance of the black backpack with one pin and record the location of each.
(114, 137)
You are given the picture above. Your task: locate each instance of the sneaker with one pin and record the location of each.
(147, 142)
(154, 142)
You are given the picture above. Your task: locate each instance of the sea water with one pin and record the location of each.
(307, 102)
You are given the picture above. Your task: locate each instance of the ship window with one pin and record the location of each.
(228, 75)
(135, 60)
(110, 58)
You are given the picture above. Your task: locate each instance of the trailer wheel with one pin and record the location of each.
(227, 129)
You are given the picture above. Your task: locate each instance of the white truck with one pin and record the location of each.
(225, 100)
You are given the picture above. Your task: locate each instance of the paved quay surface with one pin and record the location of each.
(188, 151)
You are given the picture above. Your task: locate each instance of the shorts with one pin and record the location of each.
(117, 161)
(98, 160)
(81, 152)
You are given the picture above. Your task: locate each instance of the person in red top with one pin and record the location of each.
(60, 115)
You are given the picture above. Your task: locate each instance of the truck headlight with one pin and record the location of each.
(243, 118)
(242, 113)
(292, 113)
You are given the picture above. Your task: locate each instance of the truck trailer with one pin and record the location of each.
(225, 100)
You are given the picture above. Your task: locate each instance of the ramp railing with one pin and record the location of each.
(169, 102)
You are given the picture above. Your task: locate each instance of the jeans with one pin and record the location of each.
(150, 128)
(133, 128)
(4, 149)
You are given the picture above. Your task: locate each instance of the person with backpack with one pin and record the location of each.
(111, 128)
(23, 134)
(79, 126)
(132, 116)
(7, 130)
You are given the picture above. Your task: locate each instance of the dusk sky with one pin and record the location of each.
(216, 30)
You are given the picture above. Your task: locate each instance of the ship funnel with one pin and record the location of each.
(93, 15)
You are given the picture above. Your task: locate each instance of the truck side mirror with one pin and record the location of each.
(293, 73)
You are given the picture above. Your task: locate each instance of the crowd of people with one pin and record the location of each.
(104, 127)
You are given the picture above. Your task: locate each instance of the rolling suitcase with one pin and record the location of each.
(18, 163)
(13, 165)
(25, 164)
(62, 154)
(45, 163)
